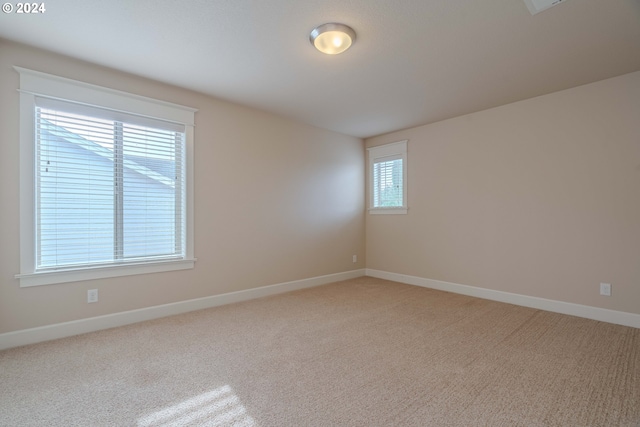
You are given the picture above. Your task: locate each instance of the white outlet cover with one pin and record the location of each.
(605, 289)
(537, 6)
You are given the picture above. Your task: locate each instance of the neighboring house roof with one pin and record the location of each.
(153, 168)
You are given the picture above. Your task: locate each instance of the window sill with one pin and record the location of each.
(388, 211)
(102, 272)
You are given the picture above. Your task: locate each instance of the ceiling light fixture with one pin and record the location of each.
(332, 38)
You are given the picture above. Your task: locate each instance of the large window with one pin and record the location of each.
(108, 183)
(387, 178)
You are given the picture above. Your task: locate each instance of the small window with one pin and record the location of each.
(105, 187)
(388, 178)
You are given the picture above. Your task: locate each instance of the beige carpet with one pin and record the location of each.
(364, 352)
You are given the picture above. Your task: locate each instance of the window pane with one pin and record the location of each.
(387, 183)
(75, 197)
(151, 206)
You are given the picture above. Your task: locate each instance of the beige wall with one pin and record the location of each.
(539, 197)
(275, 201)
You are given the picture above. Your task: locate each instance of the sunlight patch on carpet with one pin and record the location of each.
(219, 407)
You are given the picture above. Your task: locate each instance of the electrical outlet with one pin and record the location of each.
(92, 295)
(605, 289)
(355, 258)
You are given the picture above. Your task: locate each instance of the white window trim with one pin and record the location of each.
(35, 83)
(392, 149)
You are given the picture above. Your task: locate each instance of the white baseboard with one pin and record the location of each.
(81, 326)
(589, 312)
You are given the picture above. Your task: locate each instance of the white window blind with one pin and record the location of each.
(387, 183)
(388, 178)
(110, 187)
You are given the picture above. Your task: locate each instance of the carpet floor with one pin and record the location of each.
(363, 352)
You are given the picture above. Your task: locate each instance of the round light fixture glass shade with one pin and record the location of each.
(332, 38)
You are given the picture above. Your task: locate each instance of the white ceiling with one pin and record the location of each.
(414, 61)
